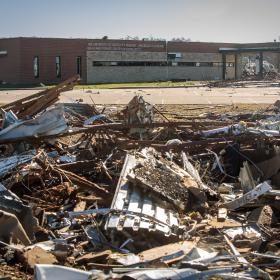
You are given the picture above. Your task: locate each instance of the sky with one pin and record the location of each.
(200, 20)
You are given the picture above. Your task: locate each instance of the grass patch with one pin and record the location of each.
(109, 86)
(152, 84)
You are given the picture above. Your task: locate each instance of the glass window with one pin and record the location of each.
(79, 65)
(171, 55)
(206, 64)
(36, 66)
(217, 64)
(3, 53)
(129, 63)
(229, 64)
(190, 64)
(174, 55)
(58, 66)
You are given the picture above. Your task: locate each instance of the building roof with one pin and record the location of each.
(170, 46)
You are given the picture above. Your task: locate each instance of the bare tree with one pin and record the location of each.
(181, 39)
(131, 38)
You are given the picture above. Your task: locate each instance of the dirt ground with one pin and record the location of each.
(184, 111)
(199, 95)
(181, 112)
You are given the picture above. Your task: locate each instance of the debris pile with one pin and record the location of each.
(89, 192)
(251, 69)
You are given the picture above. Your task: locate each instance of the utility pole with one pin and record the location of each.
(166, 54)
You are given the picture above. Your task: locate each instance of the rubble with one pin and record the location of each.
(38, 255)
(10, 225)
(131, 193)
(246, 198)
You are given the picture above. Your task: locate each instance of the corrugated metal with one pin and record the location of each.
(132, 200)
(80, 108)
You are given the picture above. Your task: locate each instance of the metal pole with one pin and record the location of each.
(261, 65)
(166, 53)
(224, 65)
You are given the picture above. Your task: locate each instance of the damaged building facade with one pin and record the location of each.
(51, 60)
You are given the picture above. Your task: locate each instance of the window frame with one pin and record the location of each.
(36, 72)
(58, 66)
(79, 65)
(129, 63)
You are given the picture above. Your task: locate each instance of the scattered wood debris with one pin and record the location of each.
(135, 193)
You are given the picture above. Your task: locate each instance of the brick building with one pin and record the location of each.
(50, 60)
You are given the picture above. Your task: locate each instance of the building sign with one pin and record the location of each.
(127, 46)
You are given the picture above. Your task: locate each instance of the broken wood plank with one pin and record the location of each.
(169, 253)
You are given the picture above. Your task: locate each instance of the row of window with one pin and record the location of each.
(160, 63)
(178, 56)
(36, 66)
(174, 55)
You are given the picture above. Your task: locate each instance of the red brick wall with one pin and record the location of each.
(17, 66)
(198, 47)
(10, 63)
(259, 45)
(47, 50)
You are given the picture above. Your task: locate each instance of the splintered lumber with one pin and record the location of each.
(169, 253)
(107, 126)
(81, 182)
(35, 103)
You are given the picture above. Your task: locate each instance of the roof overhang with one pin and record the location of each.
(259, 49)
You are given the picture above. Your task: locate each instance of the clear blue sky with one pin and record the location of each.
(203, 20)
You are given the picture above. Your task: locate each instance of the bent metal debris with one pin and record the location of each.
(131, 193)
